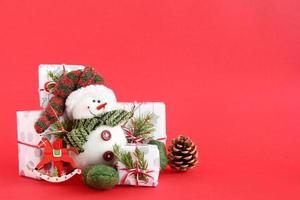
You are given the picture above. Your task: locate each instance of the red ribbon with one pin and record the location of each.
(163, 138)
(46, 85)
(26, 144)
(132, 137)
(137, 140)
(136, 172)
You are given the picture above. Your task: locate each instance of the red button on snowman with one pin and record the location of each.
(89, 102)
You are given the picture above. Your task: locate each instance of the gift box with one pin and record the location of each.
(44, 77)
(28, 152)
(145, 167)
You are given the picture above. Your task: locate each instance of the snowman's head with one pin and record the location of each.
(90, 101)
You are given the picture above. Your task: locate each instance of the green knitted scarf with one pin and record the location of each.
(82, 128)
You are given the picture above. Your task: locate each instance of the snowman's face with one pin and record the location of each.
(90, 101)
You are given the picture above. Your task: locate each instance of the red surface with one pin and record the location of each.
(228, 70)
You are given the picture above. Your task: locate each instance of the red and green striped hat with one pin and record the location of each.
(67, 83)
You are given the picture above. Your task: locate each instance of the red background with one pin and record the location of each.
(228, 71)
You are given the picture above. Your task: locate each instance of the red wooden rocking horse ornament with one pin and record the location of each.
(58, 156)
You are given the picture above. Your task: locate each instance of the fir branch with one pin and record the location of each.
(60, 128)
(55, 172)
(142, 163)
(124, 157)
(55, 76)
(127, 159)
(117, 151)
(142, 127)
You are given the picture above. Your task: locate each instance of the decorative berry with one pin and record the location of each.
(108, 156)
(105, 135)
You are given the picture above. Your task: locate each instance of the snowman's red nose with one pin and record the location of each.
(101, 106)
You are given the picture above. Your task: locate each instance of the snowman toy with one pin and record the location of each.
(88, 103)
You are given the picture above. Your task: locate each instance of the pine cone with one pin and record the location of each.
(183, 154)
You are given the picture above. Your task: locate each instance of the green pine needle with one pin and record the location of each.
(123, 157)
(55, 172)
(142, 127)
(127, 160)
(60, 128)
(55, 76)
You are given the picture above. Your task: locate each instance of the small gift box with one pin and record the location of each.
(138, 165)
(46, 74)
(29, 153)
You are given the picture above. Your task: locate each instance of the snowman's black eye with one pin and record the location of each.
(94, 100)
(98, 101)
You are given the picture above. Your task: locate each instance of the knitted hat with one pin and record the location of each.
(68, 83)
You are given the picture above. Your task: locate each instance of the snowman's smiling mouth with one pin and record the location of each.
(91, 112)
(98, 108)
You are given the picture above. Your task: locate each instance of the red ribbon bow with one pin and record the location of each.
(136, 172)
(130, 136)
(49, 85)
(136, 140)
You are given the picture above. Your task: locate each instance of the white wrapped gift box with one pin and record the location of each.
(129, 176)
(28, 153)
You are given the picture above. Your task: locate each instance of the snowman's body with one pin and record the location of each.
(89, 102)
(99, 146)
